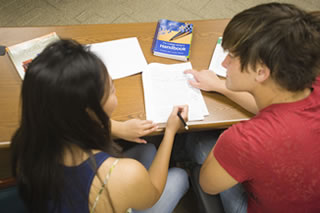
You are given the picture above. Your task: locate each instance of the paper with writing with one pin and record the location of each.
(166, 86)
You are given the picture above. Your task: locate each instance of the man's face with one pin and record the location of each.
(237, 80)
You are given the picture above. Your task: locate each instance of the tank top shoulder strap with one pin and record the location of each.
(100, 157)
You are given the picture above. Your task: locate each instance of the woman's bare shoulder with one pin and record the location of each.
(129, 184)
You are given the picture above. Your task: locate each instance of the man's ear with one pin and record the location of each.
(262, 73)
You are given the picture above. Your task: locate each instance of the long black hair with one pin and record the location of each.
(62, 89)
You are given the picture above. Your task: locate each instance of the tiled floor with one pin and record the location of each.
(61, 12)
(66, 12)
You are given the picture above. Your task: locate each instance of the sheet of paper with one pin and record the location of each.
(123, 57)
(217, 58)
(166, 86)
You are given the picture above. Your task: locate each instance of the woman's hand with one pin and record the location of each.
(174, 123)
(132, 130)
(206, 80)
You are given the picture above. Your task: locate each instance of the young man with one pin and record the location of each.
(273, 70)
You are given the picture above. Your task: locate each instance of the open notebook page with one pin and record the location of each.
(166, 86)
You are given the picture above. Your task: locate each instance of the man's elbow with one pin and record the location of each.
(208, 187)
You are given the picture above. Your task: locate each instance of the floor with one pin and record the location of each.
(62, 12)
(68, 12)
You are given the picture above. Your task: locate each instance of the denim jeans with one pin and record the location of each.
(177, 181)
(144, 153)
(197, 146)
(177, 185)
(235, 199)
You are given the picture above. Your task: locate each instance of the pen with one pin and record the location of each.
(179, 35)
(185, 31)
(183, 122)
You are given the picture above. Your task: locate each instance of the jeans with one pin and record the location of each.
(177, 181)
(235, 199)
(177, 185)
(144, 153)
(198, 146)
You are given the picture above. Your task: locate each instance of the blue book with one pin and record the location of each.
(172, 39)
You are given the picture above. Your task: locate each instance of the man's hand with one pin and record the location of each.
(206, 80)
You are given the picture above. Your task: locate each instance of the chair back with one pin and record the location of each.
(10, 201)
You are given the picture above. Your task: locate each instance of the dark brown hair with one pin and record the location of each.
(281, 36)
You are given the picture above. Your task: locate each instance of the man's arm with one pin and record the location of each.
(244, 99)
(207, 80)
(213, 178)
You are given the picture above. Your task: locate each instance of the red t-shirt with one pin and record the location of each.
(276, 156)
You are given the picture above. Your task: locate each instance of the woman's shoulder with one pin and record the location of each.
(122, 170)
(125, 178)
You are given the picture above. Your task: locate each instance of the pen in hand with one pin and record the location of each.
(182, 120)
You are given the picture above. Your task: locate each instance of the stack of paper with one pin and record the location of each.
(166, 86)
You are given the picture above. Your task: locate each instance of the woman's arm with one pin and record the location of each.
(162, 158)
(130, 184)
(143, 188)
(132, 130)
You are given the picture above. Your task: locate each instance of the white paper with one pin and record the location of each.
(123, 57)
(217, 58)
(166, 86)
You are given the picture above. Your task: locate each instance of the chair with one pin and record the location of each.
(206, 203)
(2, 50)
(10, 201)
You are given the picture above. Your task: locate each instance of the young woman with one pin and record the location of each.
(63, 156)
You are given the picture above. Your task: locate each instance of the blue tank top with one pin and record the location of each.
(77, 183)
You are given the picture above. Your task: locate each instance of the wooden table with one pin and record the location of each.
(223, 112)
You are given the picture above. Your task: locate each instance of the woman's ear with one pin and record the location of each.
(262, 73)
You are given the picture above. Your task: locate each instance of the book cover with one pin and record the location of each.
(172, 40)
(23, 53)
(217, 58)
